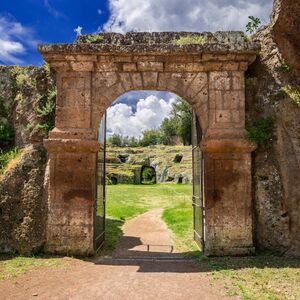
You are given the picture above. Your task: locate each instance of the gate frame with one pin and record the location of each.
(208, 75)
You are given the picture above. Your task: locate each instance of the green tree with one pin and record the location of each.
(151, 137)
(182, 120)
(169, 130)
(115, 140)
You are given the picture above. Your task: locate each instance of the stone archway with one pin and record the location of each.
(208, 72)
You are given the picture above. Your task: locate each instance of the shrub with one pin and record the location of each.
(6, 134)
(261, 131)
(47, 110)
(148, 175)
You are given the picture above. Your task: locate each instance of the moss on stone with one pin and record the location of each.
(190, 40)
(293, 92)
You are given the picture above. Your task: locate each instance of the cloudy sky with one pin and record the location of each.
(25, 23)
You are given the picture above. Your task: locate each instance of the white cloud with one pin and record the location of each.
(14, 40)
(188, 15)
(78, 30)
(150, 112)
(52, 10)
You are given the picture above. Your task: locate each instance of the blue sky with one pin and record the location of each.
(26, 23)
(48, 21)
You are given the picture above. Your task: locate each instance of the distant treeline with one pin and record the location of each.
(178, 124)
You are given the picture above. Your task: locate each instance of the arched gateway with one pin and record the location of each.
(205, 69)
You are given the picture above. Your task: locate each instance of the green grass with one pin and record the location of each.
(7, 157)
(180, 220)
(12, 266)
(258, 277)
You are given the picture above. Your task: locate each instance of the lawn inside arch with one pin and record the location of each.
(125, 201)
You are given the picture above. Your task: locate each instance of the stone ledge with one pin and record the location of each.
(71, 146)
(227, 146)
(157, 42)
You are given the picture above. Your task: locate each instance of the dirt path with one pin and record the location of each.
(146, 236)
(130, 274)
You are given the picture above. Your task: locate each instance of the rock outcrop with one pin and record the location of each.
(171, 163)
(23, 205)
(273, 91)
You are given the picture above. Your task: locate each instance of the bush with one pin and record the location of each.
(7, 134)
(261, 131)
(148, 175)
(46, 111)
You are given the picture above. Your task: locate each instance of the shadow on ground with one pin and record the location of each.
(193, 261)
(163, 261)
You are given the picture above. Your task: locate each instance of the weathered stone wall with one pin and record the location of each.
(277, 164)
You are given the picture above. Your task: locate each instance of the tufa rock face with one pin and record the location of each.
(277, 164)
(22, 91)
(23, 206)
(161, 158)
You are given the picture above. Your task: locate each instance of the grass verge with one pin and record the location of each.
(12, 266)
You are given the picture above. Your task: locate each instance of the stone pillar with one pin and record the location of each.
(72, 193)
(227, 168)
(72, 151)
(228, 199)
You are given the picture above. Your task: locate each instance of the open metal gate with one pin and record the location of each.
(101, 191)
(198, 207)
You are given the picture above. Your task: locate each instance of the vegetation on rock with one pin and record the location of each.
(190, 40)
(6, 157)
(260, 131)
(253, 24)
(7, 134)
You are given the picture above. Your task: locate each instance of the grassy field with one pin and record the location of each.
(175, 199)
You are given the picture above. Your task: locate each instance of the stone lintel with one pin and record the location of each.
(71, 146)
(227, 146)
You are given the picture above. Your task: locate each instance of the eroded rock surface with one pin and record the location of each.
(23, 210)
(277, 164)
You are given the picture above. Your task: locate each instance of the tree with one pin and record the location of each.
(116, 140)
(169, 130)
(151, 137)
(179, 123)
(182, 113)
